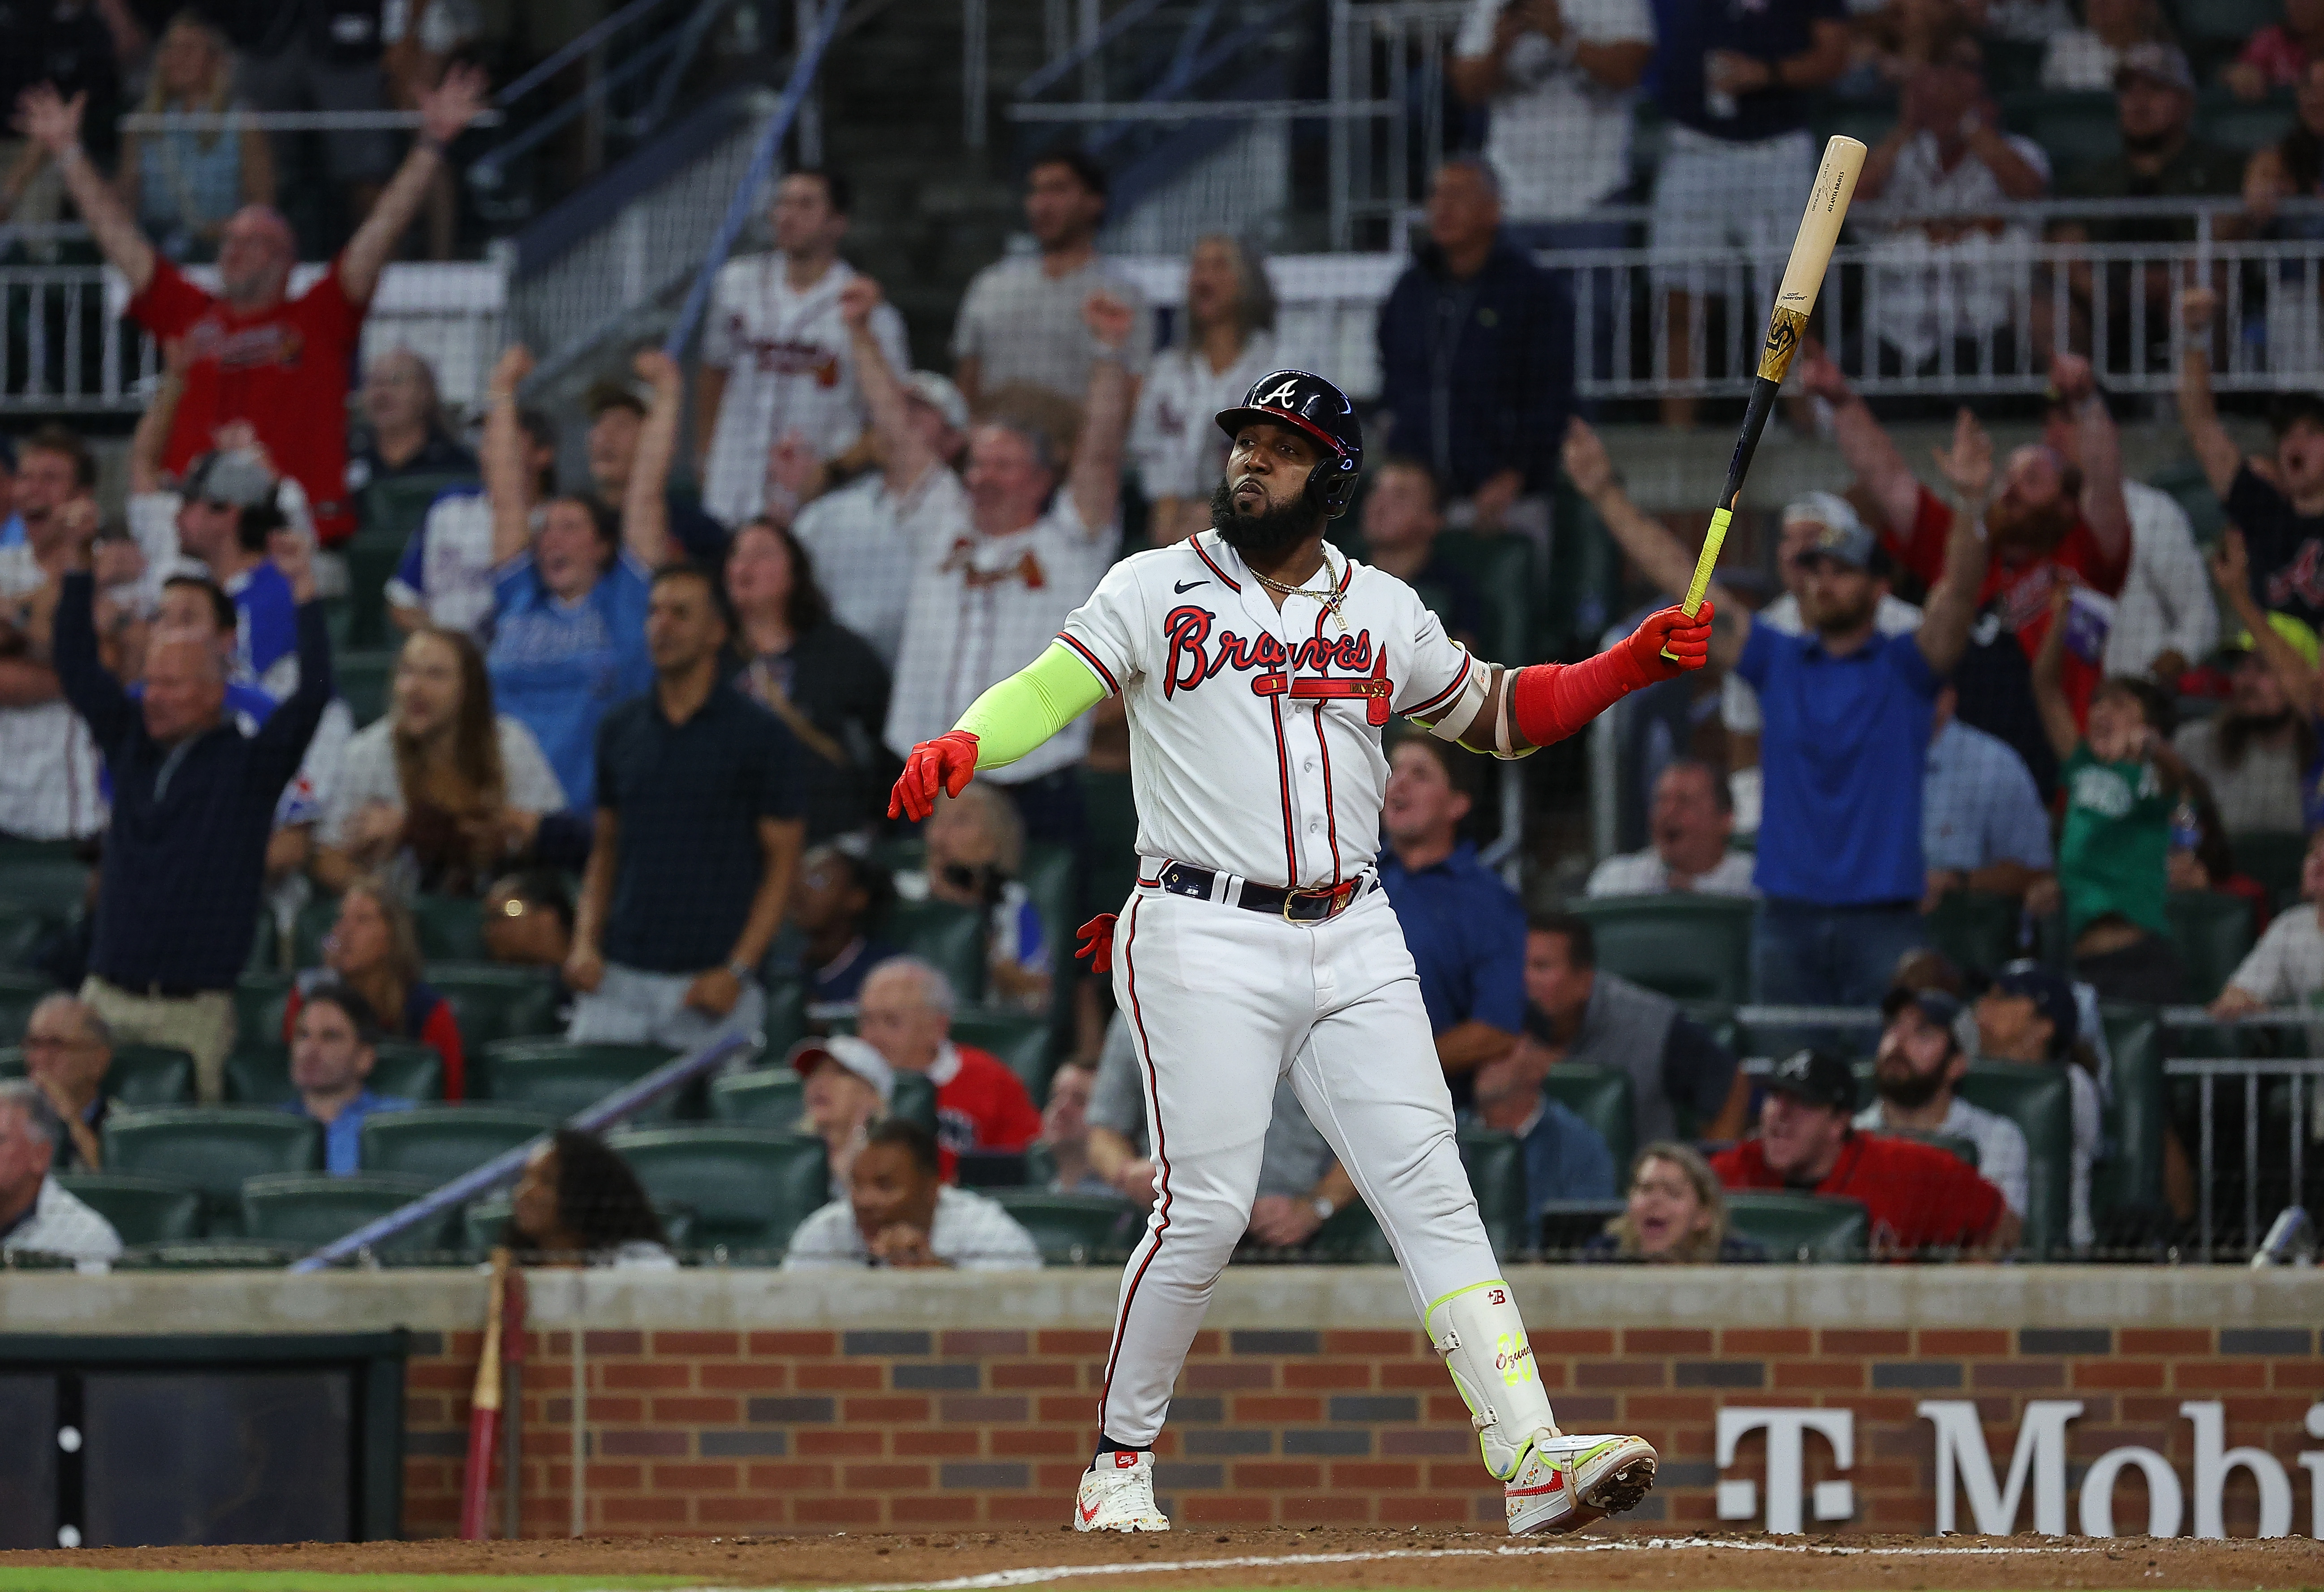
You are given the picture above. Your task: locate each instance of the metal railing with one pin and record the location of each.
(1387, 108)
(2300, 1076)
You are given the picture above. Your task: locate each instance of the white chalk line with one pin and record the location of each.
(1033, 1576)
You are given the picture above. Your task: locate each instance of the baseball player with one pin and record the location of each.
(1259, 666)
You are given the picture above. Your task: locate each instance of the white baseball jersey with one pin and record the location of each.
(789, 367)
(1254, 732)
(1174, 439)
(983, 607)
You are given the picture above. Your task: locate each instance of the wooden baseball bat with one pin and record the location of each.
(1835, 185)
(484, 1409)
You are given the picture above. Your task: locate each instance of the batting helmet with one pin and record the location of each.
(1295, 398)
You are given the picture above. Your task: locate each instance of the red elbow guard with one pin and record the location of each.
(1552, 700)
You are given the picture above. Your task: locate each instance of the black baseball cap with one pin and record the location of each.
(2051, 996)
(1934, 1005)
(1816, 1076)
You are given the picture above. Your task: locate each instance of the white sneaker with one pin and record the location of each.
(1564, 1483)
(1118, 1495)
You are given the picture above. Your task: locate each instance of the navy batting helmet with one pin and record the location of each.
(1312, 404)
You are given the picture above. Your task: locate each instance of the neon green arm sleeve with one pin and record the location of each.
(1021, 712)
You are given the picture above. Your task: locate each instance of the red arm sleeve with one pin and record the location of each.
(169, 303)
(441, 1033)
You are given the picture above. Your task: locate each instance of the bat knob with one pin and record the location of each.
(1669, 657)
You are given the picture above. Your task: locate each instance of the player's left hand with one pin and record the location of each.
(945, 763)
(714, 993)
(1096, 937)
(1687, 640)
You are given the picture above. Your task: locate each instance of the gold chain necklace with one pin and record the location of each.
(1329, 596)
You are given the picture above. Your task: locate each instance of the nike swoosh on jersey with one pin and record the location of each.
(1185, 586)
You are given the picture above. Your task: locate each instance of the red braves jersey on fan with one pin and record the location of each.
(2023, 587)
(1918, 1197)
(1255, 732)
(980, 1105)
(283, 369)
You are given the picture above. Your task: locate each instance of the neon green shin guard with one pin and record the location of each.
(1482, 1337)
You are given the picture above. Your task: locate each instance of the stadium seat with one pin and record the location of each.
(1051, 880)
(760, 1097)
(492, 1002)
(260, 1000)
(951, 937)
(1501, 567)
(55, 885)
(1071, 1229)
(439, 1143)
(141, 1074)
(2074, 128)
(308, 1210)
(2128, 1183)
(1801, 1227)
(1566, 1227)
(748, 1187)
(1017, 1038)
(557, 1075)
(2211, 931)
(371, 562)
(24, 929)
(1690, 947)
(1961, 1149)
(1495, 1162)
(142, 1210)
(2241, 128)
(258, 1072)
(363, 679)
(915, 1099)
(2191, 490)
(2040, 1101)
(484, 1222)
(1600, 1096)
(786, 1021)
(389, 509)
(451, 928)
(212, 1149)
(2273, 858)
(20, 992)
(1975, 929)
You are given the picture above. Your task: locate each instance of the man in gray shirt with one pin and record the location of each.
(1021, 320)
(1300, 1184)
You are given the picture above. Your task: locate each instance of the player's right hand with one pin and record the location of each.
(1686, 640)
(945, 763)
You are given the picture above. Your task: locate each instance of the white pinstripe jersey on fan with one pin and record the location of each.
(1254, 733)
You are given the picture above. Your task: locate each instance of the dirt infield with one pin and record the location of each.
(1320, 1558)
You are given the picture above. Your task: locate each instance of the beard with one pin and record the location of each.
(1842, 621)
(2034, 529)
(1910, 1091)
(1275, 529)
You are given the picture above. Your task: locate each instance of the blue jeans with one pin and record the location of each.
(1803, 955)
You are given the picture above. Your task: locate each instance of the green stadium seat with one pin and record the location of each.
(1501, 567)
(2040, 1101)
(308, 1210)
(2075, 128)
(1600, 1096)
(560, 1076)
(2128, 1183)
(1801, 1227)
(1017, 1038)
(1050, 877)
(483, 1222)
(440, 1143)
(20, 992)
(1975, 929)
(1495, 1162)
(2273, 858)
(1071, 1229)
(141, 1074)
(760, 1097)
(258, 1072)
(23, 930)
(371, 563)
(1961, 1149)
(747, 1188)
(387, 511)
(1690, 947)
(2241, 128)
(363, 679)
(2012, 65)
(492, 1002)
(260, 1000)
(2191, 490)
(212, 1149)
(1350, 1236)
(2211, 931)
(915, 1099)
(451, 928)
(2227, 21)
(950, 937)
(56, 887)
(786, 1021)
(142, 1210)
(902, 853)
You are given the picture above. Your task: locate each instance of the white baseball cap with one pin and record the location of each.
(939, 393)
(856, 1055)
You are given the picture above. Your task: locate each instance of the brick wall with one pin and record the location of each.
(745, 1429)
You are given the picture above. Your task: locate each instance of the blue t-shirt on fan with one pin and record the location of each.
(1840, 760)
(1770, 31)
(265, 630)
(557, 667)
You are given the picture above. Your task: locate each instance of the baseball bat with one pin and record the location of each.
(1835, 185)
(484, 1410)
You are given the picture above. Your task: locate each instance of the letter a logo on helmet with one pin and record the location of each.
(1312, 406)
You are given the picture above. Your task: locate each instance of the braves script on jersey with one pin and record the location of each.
(1255, 732)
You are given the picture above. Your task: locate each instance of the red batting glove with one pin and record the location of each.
(1096, 942)
(1686, 640)
(947, 762)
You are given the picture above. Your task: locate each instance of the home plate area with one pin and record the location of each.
(1280, 1557)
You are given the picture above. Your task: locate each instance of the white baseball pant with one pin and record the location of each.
(1222, 1001)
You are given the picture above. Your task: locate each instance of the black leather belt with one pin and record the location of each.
(1310, 905)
